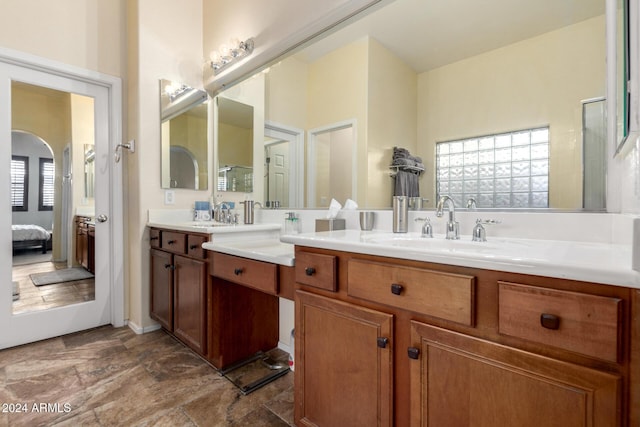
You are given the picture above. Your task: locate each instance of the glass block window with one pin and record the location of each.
(508, 170)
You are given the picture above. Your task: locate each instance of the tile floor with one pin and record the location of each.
(113, 377)
(34, 297)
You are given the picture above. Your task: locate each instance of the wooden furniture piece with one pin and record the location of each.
(243, 306)
(29, 236)
(85, 242)
(179, 285)
(383, 341)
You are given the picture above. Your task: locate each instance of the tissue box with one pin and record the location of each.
(330, 224)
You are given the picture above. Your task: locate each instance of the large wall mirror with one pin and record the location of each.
(184, 142)
(502, 101)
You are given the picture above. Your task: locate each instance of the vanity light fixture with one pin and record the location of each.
(226, 55)
(175, 91)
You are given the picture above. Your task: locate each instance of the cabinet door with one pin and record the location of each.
(344, 374)
(457, 380)
(190, 302)
(162, 288)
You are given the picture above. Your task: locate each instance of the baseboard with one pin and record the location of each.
(284, 347)
(142, 330)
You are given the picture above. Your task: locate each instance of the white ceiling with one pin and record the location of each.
(428, 34)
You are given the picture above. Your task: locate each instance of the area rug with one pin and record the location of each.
(59, 276)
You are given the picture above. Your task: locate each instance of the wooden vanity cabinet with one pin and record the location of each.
(243, 307)
(85, 243)
(179, 285)
(344, 364)
(466, 347)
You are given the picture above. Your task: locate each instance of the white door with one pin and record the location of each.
(277, 157)
(41, 324)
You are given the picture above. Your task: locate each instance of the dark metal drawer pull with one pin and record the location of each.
(413, 352)
(396, 289)
(238, 271)
(192, 247)
(382, 342)
(171, 242)
(170, 267)
(309, 271)
(549, 321)
(154, 238)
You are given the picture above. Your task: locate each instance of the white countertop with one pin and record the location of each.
(267, 250)
(212, 227)
(585, 261)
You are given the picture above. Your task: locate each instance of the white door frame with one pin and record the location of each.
(114, 211)
(296, 155)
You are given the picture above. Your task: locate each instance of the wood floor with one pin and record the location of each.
(34, 297)
(113, 377)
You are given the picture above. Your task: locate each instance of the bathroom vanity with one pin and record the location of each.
(225, 307)
(390, 340)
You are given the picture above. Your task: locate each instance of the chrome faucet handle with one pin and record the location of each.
(479, 233)
(427, 228)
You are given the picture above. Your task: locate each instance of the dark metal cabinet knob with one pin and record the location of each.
(309, 271)
(396, 289)
(549, 321)
(170, 266)
(413, 352)
(382, 342)
(238, 271)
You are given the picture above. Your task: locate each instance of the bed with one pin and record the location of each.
(28, 236)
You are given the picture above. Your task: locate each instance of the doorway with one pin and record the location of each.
(332, 166)
(284, 166)
(59, 103)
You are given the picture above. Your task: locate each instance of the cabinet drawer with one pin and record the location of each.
(259, 275)
(194, 246)
(154, 238)
(174, 242)
(444, 295)
(316, 270)
(582, 323)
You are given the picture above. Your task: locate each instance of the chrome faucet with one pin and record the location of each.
(453, 227)
(222, 212)
(472, 204)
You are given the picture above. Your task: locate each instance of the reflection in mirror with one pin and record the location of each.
(184, 115)
(235, 146)
(622, 69)
(50, 129)
(330, 169)
(89, 170)
(480, 68)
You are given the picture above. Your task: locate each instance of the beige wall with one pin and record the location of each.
(85, 33)
(392, 120)
(337, 92)
(164, 41)
(362, 81)
(484, 95)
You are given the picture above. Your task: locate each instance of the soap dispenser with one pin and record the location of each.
(291, 223)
